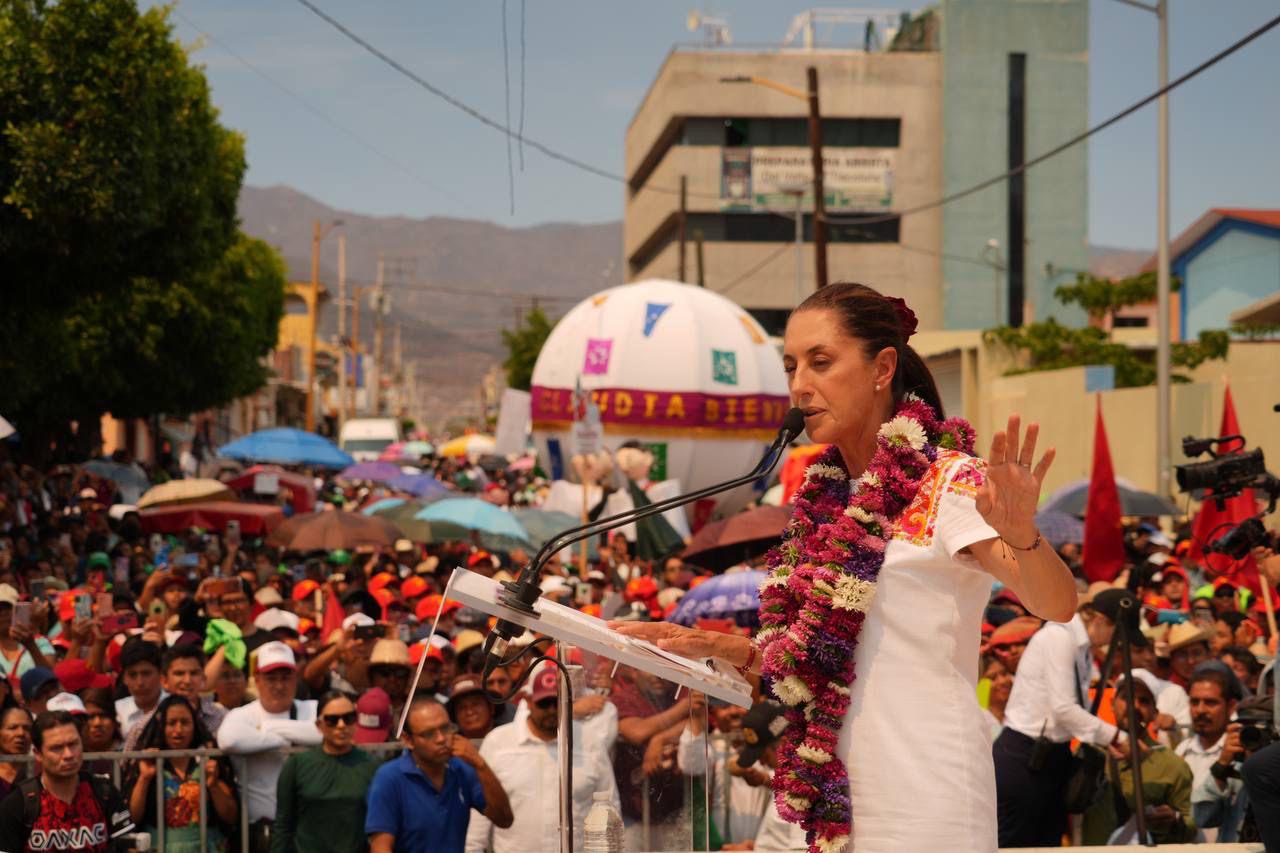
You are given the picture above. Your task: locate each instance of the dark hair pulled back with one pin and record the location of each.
(872, 318)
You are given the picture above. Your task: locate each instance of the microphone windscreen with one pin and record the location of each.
(793, 422)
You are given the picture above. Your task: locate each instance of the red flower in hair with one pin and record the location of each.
(906, 317)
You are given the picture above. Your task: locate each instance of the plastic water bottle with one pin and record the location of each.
(602, 830)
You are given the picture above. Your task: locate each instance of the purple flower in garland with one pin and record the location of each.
(814, 605)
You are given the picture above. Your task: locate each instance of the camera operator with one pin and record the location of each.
(1260, 770)
(1047, 709)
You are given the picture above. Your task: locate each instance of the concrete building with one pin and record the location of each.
(1228, 261)
(957, 91)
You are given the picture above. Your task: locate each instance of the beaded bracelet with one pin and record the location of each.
(1034, 545)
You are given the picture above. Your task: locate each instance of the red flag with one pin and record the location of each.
(1212, 523)
(1104, 554)
(333, 615)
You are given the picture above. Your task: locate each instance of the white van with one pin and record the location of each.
(366, 438)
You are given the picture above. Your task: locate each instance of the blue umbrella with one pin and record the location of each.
(545, 524)
(476, 515)
(129, 478)
(418, 485)
(1059, 527)
(287, 446)
(382, 505)
(733, 595)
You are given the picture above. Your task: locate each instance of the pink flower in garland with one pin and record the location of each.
(814, 603)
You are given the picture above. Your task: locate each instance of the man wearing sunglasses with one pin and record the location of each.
(423, 799)
(524, 754)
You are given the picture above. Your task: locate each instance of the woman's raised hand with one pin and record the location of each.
(1007, 499)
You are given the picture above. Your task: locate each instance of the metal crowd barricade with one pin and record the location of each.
(200, 755)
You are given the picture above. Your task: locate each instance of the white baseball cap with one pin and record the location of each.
(275, 655)
(68, 702)
(357, 619)
(268, 596)
(269, 620)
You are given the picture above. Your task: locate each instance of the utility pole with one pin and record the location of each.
(684, 218)
(317, 234)
(399, 374)
(315, 321)
(819, 196)
(376, 405)
(697, 242)
(399, 352)
(356, 360)
(342, 331)
(1164, 393)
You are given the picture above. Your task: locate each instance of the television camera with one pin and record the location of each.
(1225, 475)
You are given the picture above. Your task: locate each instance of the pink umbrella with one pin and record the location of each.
(524, 463)
(391, 453)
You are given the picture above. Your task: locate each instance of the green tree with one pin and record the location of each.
(1102, 298)
(128, 286)
(523, 346)
(1049, 345)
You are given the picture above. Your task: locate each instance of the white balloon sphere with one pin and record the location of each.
(676, 367)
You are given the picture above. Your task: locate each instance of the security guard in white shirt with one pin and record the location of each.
(1047, 709)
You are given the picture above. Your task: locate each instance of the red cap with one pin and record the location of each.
(381, 581)
(75, 675)
(414, 586)
(431, 605)
(304, 588)
(373, 716)
(417, 649)
(545, 683)
(641, 588)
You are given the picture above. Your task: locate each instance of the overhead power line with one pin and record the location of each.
(455, 102)
(1075, 140)
(321, 114)
(755, 269)
(947, 199)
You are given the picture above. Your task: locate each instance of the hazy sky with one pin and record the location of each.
(588, 64)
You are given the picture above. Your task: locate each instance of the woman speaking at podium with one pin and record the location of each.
(872, 610)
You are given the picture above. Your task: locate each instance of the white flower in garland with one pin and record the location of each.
(842, 689)
(853, 593)
(869, 480)
(812, 754)
(775, 579)
(833, 845)
(817, 469)
(903, 430)
(765, 636)
(797, 802)
(792, 690)
(859, 515)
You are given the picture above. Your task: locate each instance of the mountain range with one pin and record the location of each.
(454, 284)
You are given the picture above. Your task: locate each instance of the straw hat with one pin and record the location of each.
(1187, 634)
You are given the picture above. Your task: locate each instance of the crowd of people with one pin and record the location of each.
(297, 666)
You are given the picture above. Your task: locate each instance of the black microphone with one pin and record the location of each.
(520, 594)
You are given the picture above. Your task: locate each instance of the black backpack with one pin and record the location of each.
(31, 789)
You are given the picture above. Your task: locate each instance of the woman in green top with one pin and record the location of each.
(320, 798)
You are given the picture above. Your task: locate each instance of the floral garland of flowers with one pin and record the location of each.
(815, 600)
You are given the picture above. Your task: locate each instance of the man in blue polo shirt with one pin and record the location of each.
(423, 799)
